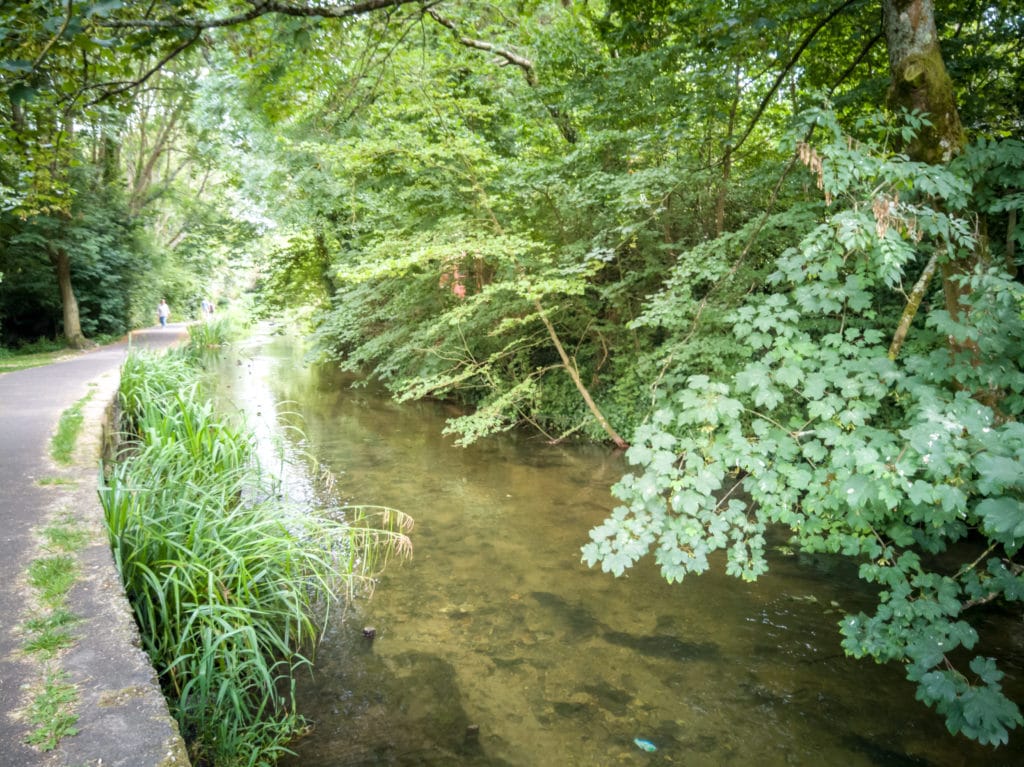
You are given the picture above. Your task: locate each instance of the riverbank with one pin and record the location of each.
(119, 713)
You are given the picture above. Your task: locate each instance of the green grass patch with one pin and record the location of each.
(52, 712)
(62, 446)
(52, 577)
(50, 633)
(65, 537)
(49, 630)
(56, 482)
(229, 585)
(33, 355)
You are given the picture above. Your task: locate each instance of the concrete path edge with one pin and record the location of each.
(123, 715)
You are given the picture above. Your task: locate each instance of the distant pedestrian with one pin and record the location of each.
(207, 308)
(163, 312)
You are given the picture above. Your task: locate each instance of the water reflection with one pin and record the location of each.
(495, 646)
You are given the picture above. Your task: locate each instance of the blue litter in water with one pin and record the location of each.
(646, 745)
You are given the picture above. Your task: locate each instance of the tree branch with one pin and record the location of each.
(856, 62)
(789, 66)
(913, 302)
(510, 57)
(482, 45)
(574, 374)
(128, 85)
(259, 8)
(55, 38)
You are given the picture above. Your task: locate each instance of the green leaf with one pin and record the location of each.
(858, 491)
(18, 67)
(997, 472)
(103, 8)
(1002, 517)
(19, 93)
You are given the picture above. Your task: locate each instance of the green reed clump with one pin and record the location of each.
(212, 333)
(229, 585)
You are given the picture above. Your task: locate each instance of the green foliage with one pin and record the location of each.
(452, 171)
(229, 585)
(890, 462)
(106, 267)
(52, 576)
(610, 212)
(50, 633)
(211, 334)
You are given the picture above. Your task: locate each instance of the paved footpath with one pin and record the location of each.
(122, 717)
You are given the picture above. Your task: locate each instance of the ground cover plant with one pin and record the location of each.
(229, 584)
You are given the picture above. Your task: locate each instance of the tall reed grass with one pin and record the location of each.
(211, 332)
(229, 584)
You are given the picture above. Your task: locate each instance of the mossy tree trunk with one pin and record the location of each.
(920, 82)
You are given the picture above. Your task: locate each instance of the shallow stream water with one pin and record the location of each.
(496, 646)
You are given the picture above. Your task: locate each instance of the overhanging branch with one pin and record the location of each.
(128, 85)
(510, 57)
(259, 8)
(793, 59)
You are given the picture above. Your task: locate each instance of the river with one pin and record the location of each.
(495, 646)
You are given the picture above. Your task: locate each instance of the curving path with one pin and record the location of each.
(123, 719)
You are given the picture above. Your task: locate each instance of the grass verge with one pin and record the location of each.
(34, 355)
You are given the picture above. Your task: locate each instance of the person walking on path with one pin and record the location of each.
(122, 719)
(163, 311)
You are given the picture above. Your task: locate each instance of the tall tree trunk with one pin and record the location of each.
(69, 303)
(920, 82)
(148, 158)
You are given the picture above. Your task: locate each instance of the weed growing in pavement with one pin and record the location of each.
(68, 428)
(49, 630)
(52, 712)
(56, 482)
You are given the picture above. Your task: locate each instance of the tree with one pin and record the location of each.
(69, 64)
(891, 455)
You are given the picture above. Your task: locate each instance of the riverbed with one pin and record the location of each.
(494, 645)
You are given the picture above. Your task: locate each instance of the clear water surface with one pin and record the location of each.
(496, 646)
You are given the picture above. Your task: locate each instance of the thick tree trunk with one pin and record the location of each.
(69, 303)
(920, 82)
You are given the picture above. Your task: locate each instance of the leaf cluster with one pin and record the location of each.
(892, 462)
